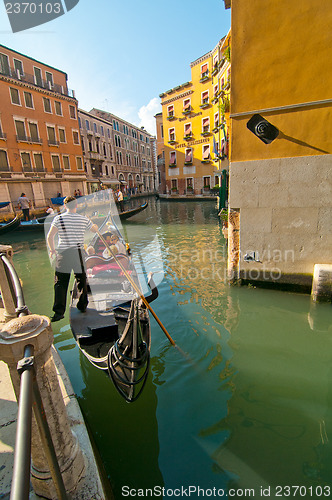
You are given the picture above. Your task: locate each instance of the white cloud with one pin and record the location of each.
(146, 115)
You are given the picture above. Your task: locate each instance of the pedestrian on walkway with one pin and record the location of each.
(70, 228)
(120, 200)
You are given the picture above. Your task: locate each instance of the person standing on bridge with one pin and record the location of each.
(70, 228)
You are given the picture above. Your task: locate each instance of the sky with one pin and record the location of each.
(120, 55)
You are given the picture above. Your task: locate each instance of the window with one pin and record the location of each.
(172, 159)
(20, 130)
(49, 80)
(108, 133)
(66, 162)
(62, 135)
(216, 120)
(79, 163)
(26, 162)
(186, 106)
(187, 130)
(38, 76)
(58, 108)
(215, 60)
(206, 182)
(47, 105)
(204, 71)
(189, 183)
(38, 158)
(82, 142)
(4, 64)
(87, 124)
(51, 136)
(102, 130)
(15, 96)
(56, 163)
(206, 152)
(205, 125)
(111, 153)
(95, 127)
(215, 90)
(170, 111)
(34, 132)
(174, 184)
(76, 139)
(171, 134)
(72, 111)
(18, 66)
(104, 149)
(4, 166)
(28, 100)
(162, 131)
(205, 97)
(188, 156)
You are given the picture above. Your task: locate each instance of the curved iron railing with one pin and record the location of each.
(29, 394)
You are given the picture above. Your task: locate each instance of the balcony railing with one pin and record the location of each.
(53, 142)
(2, 135)
(45, 84)
(26, 138)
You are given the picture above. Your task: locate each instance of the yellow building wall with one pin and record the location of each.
(194, 90)
(280, 57)
(281, 192)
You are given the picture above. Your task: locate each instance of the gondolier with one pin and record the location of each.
(70, 228)
(25, 204)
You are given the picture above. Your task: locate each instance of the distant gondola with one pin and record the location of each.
(129, 213)
(31, 225)
(9, 226)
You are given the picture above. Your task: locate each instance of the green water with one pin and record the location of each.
(244, 402)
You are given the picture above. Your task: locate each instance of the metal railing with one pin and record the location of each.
(29, 398)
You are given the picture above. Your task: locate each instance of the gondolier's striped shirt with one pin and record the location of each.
(71, 228)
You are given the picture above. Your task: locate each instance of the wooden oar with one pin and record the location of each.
(137, 290)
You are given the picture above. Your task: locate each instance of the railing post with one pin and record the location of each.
(36, 331)
(6, 290)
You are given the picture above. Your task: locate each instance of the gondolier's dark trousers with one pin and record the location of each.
(67, 261)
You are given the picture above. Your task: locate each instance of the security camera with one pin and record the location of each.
(263, 129)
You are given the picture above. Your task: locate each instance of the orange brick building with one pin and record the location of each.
(40, 148)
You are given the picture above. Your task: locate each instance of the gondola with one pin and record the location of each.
(129, 213)
(31, 225)
(4, 204)
(9, 226)
(123, 215)
(114, 332)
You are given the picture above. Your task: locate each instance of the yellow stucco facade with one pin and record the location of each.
(281, 191)
(194, 121)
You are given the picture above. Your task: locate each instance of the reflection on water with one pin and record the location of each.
(245, 401)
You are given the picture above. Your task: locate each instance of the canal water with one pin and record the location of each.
(242, 404)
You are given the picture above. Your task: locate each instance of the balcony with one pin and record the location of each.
(172, 141)
(3, 136)
(53, 142)
(172, 165)
(205, 132)
(188, 137)
(204, 77)
(205, 104)
(170, 117)
(187, 111)
(30, 79)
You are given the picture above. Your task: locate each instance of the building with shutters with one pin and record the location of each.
(195, 151)
(40, 147)
(134, 153)
(98, 151)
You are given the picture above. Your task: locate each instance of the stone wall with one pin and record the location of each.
(285, 209)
